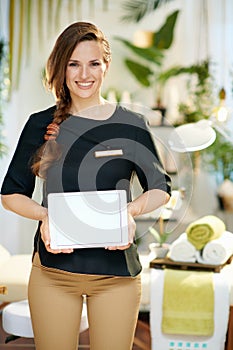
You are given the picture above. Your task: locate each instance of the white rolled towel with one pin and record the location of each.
(182, 250)
(217, 251)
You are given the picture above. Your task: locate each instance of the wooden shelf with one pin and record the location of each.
(168, 263)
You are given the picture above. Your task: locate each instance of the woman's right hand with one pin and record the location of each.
(45, 236)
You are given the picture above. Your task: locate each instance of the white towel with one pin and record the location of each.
(182, 250)
(217, 251)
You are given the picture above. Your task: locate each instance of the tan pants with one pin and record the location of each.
(56, 299)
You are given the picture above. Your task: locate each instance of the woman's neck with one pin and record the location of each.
(80, 106)
(101, 111)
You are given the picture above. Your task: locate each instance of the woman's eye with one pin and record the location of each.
(95, 64)
(73, 64)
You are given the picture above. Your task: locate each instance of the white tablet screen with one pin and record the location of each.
(88, 219)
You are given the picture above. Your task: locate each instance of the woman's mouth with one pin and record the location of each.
(85, 85)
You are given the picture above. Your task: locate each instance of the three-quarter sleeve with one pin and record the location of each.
(19, 177)
(149, 169)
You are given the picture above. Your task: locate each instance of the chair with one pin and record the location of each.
(16, 320)
(14, 276)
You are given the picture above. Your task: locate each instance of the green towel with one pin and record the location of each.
(188, 303)
(204, 230)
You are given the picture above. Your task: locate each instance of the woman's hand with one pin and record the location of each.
(45, 236)
(131, 234)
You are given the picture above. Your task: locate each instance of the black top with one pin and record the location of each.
(79, 170)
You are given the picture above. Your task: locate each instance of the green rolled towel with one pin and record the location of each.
(204, 230)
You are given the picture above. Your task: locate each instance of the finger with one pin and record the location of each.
(121, 247)
(58, 251)
(124, 247)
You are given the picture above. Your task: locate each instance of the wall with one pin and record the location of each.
(194, 40)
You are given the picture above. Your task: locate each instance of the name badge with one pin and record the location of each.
(108, 153)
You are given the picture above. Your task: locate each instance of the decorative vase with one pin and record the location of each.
(159, 251)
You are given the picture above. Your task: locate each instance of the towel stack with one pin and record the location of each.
(205, 241)
(182, 250)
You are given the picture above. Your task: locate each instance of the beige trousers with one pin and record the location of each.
(56, 299)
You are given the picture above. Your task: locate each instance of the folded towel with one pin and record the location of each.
(188, 303)
(182, 250)
(204, 230)
(217, 251)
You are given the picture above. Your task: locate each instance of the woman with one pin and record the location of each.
(59, 144)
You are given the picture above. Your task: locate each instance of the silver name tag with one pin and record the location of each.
(108, 153)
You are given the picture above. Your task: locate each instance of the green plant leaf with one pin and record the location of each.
(164, 37)
(160, 238)
(155, 234)
(172, 72)
(151, 54)
(137, 9)
(140, 72)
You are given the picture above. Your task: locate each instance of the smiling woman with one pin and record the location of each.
(84, 144)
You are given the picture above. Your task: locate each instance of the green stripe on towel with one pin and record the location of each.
(188, 303)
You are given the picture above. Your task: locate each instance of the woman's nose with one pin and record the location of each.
(84, 72)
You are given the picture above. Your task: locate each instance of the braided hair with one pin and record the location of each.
(55, 81)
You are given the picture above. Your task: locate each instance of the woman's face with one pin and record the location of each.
(85, 71)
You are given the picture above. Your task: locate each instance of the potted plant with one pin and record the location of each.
(159, 248)
(200, 94)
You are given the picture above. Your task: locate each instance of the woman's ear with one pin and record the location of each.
(107, 67)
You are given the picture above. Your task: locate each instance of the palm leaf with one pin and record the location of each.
(57, 13)
(28, 32)
(40, 20)
(164, 37)
(20, 43)
(11, 39)
(49, 14)
(105, 5)
(140, 72)
(150, 54)
(172, 72)
(137, 9)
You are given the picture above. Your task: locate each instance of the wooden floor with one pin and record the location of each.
(142, 340)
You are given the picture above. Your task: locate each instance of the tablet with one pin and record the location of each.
(88, 219)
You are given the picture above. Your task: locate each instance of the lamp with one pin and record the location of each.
(221, 111)
(197, 136)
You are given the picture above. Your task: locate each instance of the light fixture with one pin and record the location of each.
(197, 136)
(192, 137)
(221, 111)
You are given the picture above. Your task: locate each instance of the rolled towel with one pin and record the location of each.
(205, 230)
(218, 251)
(182, 250)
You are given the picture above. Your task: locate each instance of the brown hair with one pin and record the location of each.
(55, 81)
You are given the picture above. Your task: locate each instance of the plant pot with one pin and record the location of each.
(160, 251)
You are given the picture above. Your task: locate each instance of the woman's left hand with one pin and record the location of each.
(131, 234)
